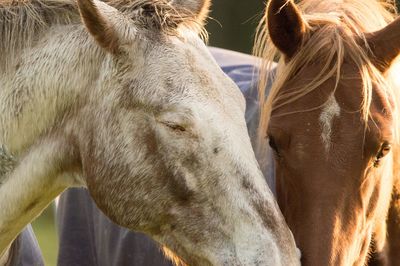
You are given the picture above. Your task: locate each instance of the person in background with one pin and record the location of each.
(88, 237)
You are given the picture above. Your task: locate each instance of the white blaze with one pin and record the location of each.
(329, 112)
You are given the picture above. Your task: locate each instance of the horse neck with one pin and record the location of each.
(4, 257)
(10, 254)
(48, 82)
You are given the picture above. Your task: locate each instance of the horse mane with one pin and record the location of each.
(23, 22)
(337, 26)
(159, 14)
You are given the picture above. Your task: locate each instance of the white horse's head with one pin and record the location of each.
(164, 143)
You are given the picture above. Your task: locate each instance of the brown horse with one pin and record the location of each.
(332, 122)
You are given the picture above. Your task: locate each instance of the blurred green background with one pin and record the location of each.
(45, 230)
(233, 23)
(232, 27)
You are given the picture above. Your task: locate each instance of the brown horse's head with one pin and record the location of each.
(330, 120)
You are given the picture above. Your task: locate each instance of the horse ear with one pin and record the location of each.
(286, 26)
(100, 20)
(384, 45)
(195, 9)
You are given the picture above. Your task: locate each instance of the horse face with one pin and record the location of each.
(169, 154)
(333, 163)
(333, 182)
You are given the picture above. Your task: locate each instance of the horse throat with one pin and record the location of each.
(4, 258)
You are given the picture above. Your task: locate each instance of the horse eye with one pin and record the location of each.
(175, 127)
(273, 145)
(385, 149)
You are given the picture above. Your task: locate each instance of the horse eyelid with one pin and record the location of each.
(174, 126)
(385, 149)
(272, 144)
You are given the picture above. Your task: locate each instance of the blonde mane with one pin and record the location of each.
(24, 22)
(337, 27)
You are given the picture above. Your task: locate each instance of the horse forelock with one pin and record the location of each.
(159, 14)
(23, 22)
(334, 30)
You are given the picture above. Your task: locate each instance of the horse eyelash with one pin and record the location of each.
(175, 127)
(274, 147)
(381, 154)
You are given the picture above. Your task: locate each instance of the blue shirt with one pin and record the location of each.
(87, 237)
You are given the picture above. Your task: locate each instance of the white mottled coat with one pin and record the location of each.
(138, 112)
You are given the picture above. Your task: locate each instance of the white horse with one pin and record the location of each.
(131, 105)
